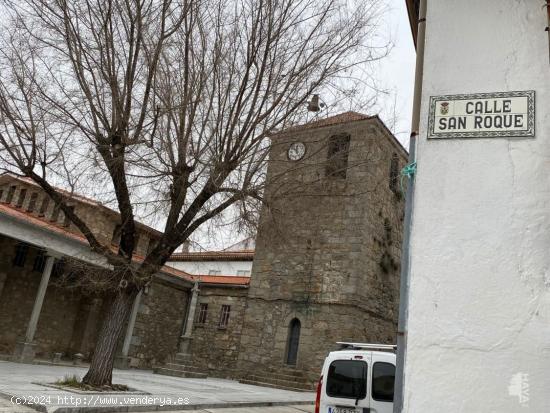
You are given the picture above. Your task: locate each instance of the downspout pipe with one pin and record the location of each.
(547, 5)
(409, 203)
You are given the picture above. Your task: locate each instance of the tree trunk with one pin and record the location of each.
(101, 366)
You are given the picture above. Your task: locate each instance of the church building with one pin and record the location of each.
(327, 258)
(324, 268)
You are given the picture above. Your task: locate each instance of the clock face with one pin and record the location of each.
(296, 151)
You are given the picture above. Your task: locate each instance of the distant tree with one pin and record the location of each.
(165, 105)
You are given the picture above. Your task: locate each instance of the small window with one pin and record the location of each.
(21, 251)
(11, 192)
(32, 202)
(1, 194)
(58, 268)
(337, 157)
(394, 173)
(293, 342)
(214, 272)
(21, 197)
(44, 206)
(203, 312)
(347, 379)
(224, 316)
(383, 378)
(39, 261)
(243, 273)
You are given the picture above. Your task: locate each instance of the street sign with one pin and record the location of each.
(482, 115)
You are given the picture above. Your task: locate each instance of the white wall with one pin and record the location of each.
(479, 310)
(204, 267)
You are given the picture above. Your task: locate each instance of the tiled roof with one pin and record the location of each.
(23, 215)
(243, 255)
(68, 194)
(43, 223)
(345, 117)
(221, 279)
(77, 197)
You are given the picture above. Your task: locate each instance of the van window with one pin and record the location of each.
(347, 379)
(383, 377)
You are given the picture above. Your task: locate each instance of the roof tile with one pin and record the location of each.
(331, 120)
(221, 279)
(243, 255)
(28, 217)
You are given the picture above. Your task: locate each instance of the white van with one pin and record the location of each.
(357, 379)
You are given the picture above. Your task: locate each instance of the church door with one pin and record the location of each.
(293, 342)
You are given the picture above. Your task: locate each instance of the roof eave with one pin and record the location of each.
(207, 284)
(413, 20)
(306, 127)
(212, 257)
(7, 176)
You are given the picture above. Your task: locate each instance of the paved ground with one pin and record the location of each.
(8, 407)
(278, 409)
(27, 381)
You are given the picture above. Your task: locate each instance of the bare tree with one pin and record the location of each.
(167, 106)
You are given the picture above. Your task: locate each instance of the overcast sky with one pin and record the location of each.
(394, 73)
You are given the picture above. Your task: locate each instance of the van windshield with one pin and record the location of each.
(347, 379)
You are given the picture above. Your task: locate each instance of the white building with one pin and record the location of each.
(479, 298)
(235, 260)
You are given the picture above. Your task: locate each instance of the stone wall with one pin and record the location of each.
(61, 311)
(328, 249)
(382, 234)
(101, 220)
(90, 314)
(70, 320)
(265, 337)
(158, 326)
(215, 350)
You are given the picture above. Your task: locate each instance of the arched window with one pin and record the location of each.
(293, 342)
(394, 173)
(337, 157)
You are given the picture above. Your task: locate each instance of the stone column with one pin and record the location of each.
(187, 333)
(123, 361)
(24, 351)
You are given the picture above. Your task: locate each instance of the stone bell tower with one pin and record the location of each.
(326, 266)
